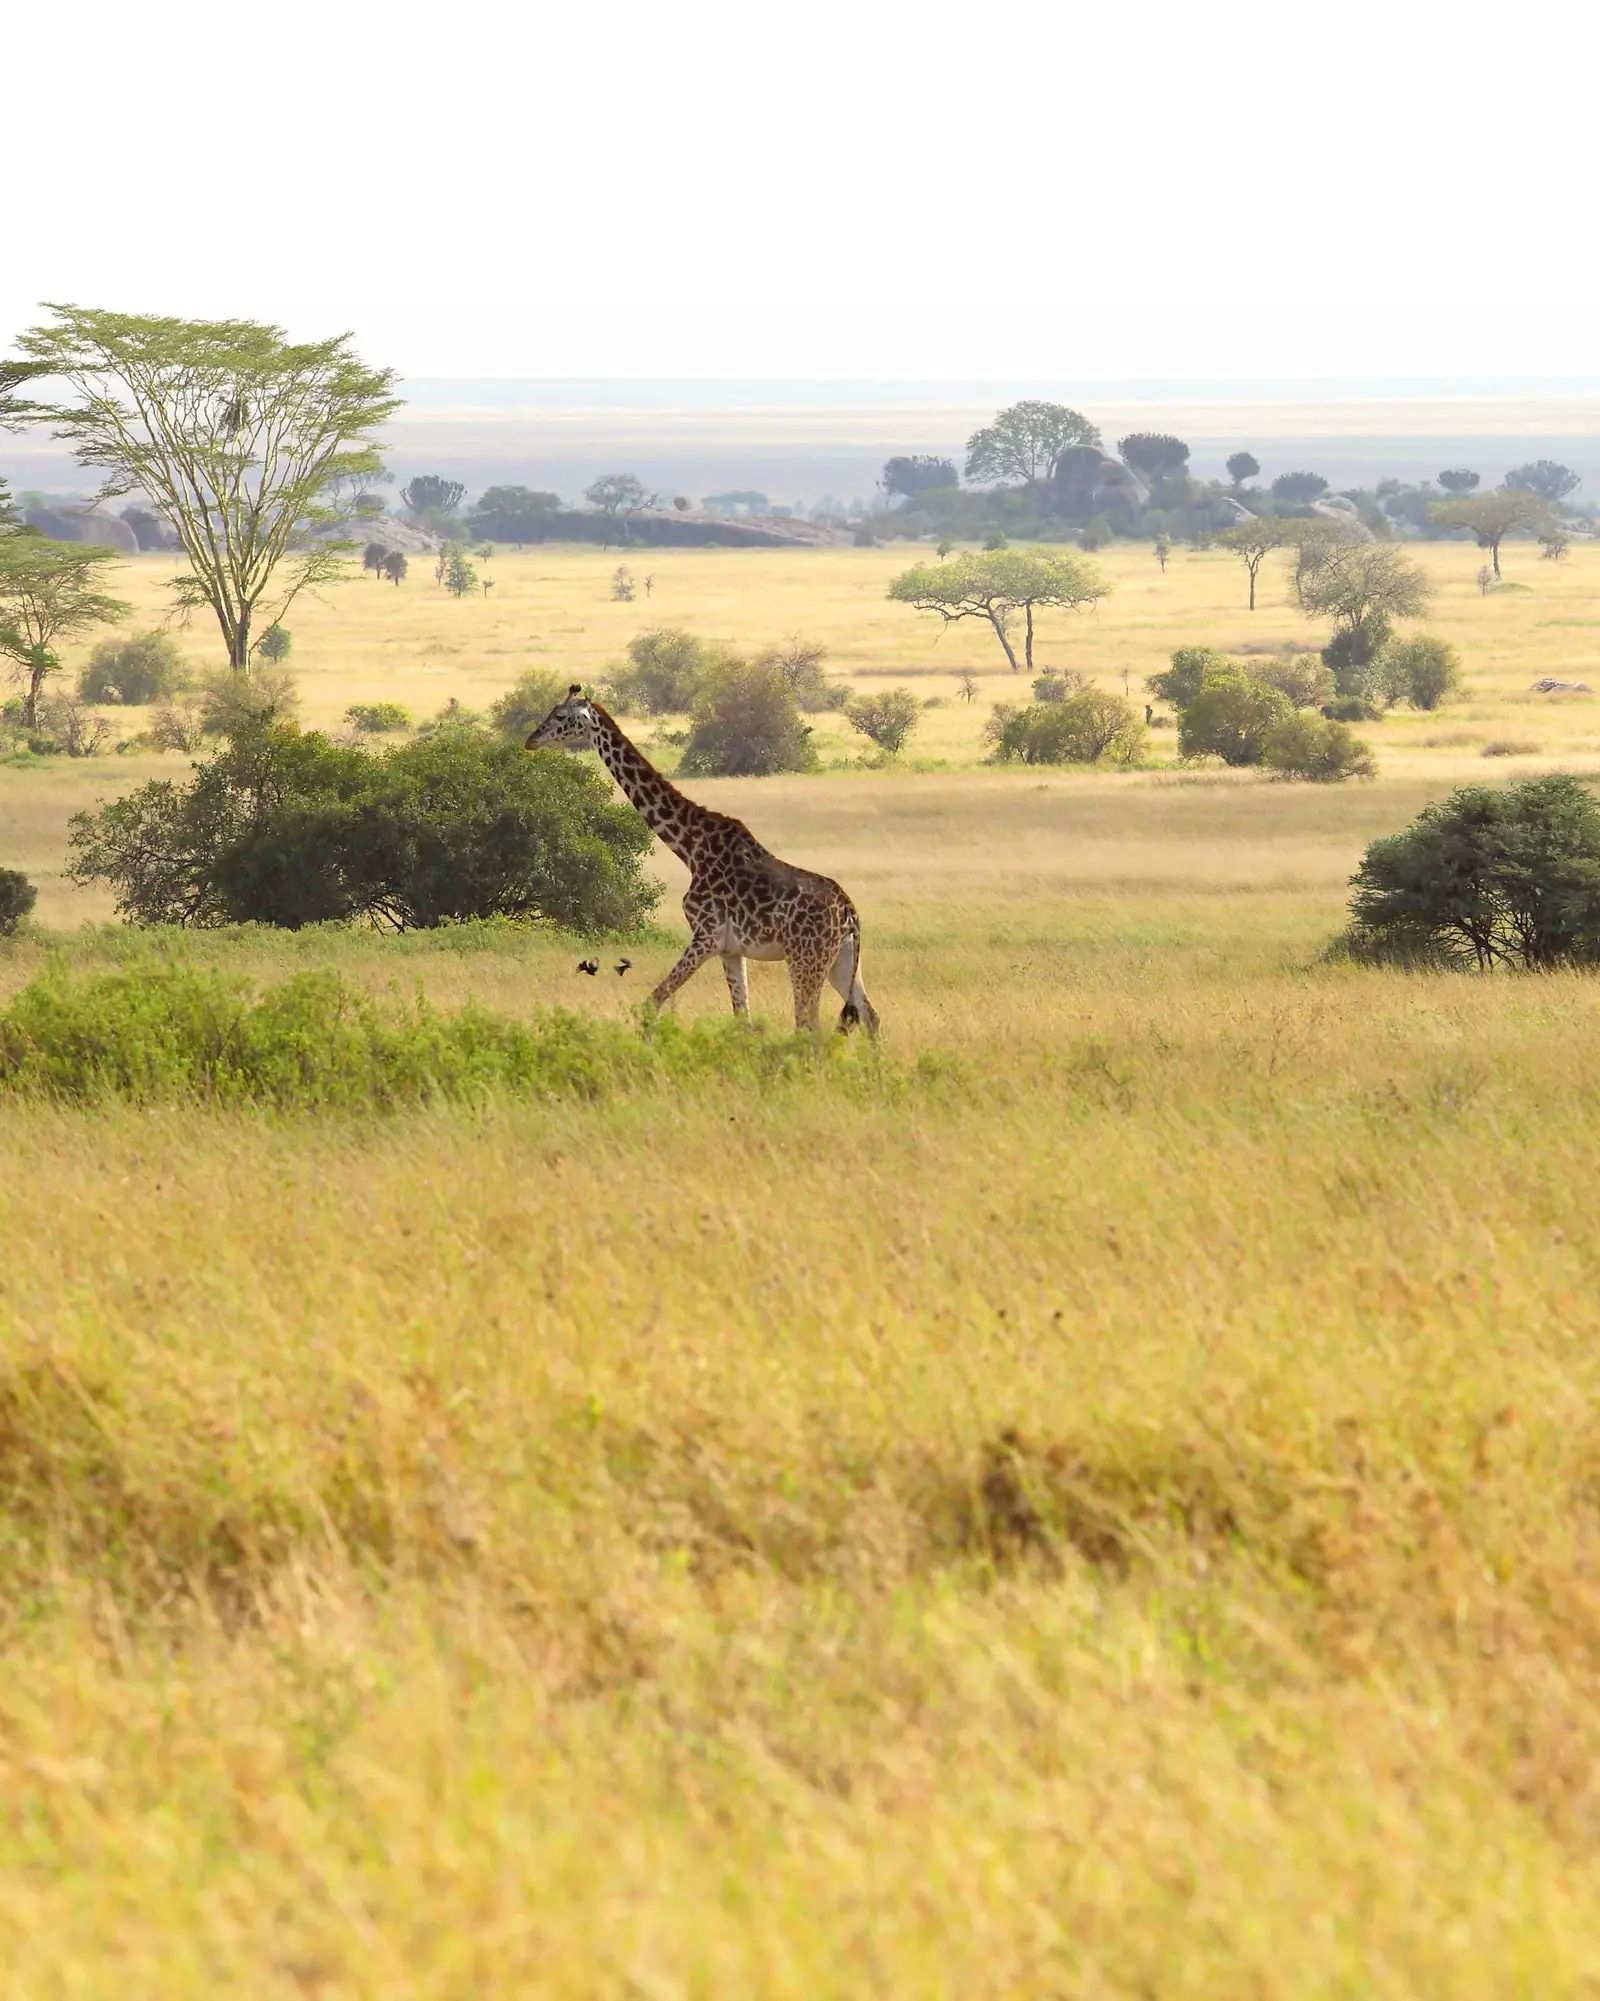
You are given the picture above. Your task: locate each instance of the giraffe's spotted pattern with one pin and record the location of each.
(742, 902)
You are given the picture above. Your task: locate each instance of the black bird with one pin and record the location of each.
(589, 966)
(623, 965)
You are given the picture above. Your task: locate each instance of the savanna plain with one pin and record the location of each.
(1098, 1496)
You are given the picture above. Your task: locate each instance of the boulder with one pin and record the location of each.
(83, 524)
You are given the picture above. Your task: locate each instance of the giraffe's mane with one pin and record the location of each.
(669, 790)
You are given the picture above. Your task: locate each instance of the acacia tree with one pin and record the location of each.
(234, 432)
(1362, 587)
(1154, 454)
(1545, 477)
(618, 493)
(1025, 443)
(996, 586)
(1253, 542)
(49, 591)
(1491, 517)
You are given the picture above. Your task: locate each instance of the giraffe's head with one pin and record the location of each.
(570, 725)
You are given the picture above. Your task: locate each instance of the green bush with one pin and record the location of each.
(17, 898)
(1087, 727)
(663, 675)
(886, 719)
(746, 724)
(527, 702)
(175, 1033)
(1178, 683)
(1423, 671)
(1301, 677)
(1487, 878)
(289, 829)
(800, 662)
(145, 667)
(1312, 747)
(377, 718)
(231, 701)
(1230, 715)
(275, 644)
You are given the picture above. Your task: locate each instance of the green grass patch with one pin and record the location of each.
(173, 1032)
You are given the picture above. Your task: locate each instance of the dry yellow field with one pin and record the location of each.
(1107, 1503)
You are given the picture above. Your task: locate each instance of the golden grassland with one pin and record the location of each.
(1107, 1502)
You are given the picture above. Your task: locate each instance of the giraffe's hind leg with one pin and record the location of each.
(738, 986)
(807, 971)
(695, 955)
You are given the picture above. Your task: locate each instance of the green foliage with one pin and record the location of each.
(1317, 748)
(517, 514)
(1545, 477)
(48, 592)
(908, 477)
(17, 898)
(1155, 454)
(1458, 479)
(275, 644)
(373, 558)
(887, 718)
(1295, 489)
(665, 669)
(431, 493)
(1242, 466)
(1423, 671)
(146, 667)
(1490, 517)
(377, 718)
(455, 572)
(527, 702)
(1230, 714)
(286, 828)
(232, 431)
(1302, 677)
(1025, 441)
(1363, 587)
(1179, 683)
(230, 701)
(174, 1033)
(395, 567)
(1088, 726)
(997, 585)
(618, 493)
(1488, 878)
(746, 723)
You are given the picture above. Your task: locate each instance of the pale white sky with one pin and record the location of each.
(824, 188)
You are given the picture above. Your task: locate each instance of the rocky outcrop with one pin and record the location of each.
(84, 524)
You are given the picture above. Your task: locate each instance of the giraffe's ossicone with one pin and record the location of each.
(742, 902)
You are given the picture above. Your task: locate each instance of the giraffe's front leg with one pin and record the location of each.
(806, 974)
(738, 986)
(696, 953)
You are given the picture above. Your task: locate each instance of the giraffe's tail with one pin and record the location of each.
(857, 1008)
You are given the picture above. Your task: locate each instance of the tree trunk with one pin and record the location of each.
(37, 670)
(1494, 550)
(1000, 634)
(1252, 587)
(1028, 644)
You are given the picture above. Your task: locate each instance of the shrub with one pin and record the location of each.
(745, 723)
(147, 667)
(1230, 715)
(176, 1033)
(1301, 677)
(1310, 746)
(527, 702)
(287, 828)
(1085, 728)
(800, 661)
(230, 701)
(17, 898)
(1055, 684)
(67, 729)
(1488, 877)
(663, 675)
(1423, 671)
(275, 644)
(1180, 682)
(377, 718)
(887, 719)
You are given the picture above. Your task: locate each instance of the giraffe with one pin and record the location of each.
(742, 902)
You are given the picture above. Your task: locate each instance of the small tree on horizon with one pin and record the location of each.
(1242, 466)
(1253, 542)
(1295, 489)
(1024, 443)
(1492, 516)
(1154, 454)
(1458, 479)
(431, 493)
(373, 558)
(395, 567)
(1545, 477)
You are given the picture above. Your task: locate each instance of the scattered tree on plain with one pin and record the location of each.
(1458, 479)
(395, 567)
(145, 667)
(373, 558)
(233, 432)
(1253, 542)
(1423, 671)
(49, 591)
(745, 724)
(459, 576)
(1297, 489)
(1242, 466)
(1163, 549)
(622, 584)
(618, 493)
(1493, 516)
(1363, 587)
(996, 586)
(276, 643)
(1550, 481)
(431, 493)
(1554, 542)
(907, 477)
(1154, 454)
(1025, 443)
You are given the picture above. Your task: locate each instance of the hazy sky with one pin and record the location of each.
(869, 189)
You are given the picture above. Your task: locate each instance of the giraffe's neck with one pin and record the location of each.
(676, 820)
